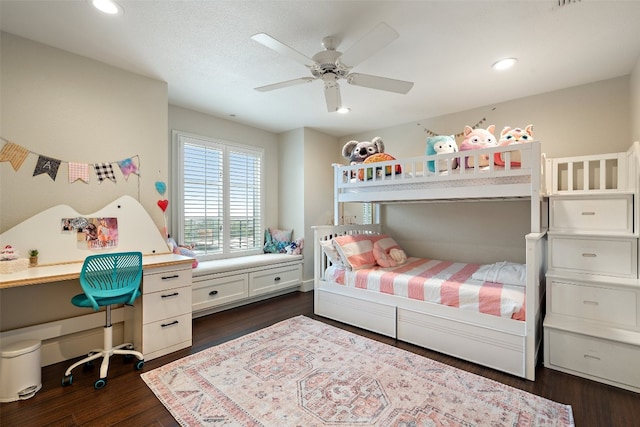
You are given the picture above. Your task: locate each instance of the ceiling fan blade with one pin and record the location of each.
(332, 92)
(283, 49)
(285, 84)
(380, 83)
(379, 37)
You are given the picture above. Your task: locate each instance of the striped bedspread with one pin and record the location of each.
(440, 282)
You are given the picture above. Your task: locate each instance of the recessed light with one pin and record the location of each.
(343, 110)
(503, 64)
(109, 7)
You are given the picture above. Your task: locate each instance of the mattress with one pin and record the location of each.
(440, 282)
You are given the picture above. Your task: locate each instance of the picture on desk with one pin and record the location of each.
(97, 233)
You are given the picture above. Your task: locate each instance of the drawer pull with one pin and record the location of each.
(164, 325)
(170, 295)
(589, 255)
(588, 356)
(276, 279)
(175, 276)
(212, 293)
(588, 213)
(590, 302)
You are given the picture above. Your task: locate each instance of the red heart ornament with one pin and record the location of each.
(163, 204)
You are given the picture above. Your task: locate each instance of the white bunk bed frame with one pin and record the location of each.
(507, 345)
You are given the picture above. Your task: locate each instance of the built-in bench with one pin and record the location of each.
(227, 283)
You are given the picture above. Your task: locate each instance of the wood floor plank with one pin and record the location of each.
(127, 401)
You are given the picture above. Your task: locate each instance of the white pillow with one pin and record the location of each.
(331, 253)
(507, 273)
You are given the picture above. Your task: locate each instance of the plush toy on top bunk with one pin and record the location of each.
(368, 152)
(510, 136)
(441, 144)
(475, 139)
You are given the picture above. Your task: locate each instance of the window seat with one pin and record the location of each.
(226, 283)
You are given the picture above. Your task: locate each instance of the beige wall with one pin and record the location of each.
(72, 108)
(635, 102)
(582, 120)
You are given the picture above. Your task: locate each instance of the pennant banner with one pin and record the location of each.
(14, 154)
(104, 171)
(47, 165)
(78, 171)
(127, 167)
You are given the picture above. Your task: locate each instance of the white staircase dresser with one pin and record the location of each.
(592, 322)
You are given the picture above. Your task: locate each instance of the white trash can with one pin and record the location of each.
(20, 370)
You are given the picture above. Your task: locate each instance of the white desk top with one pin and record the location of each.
(69, 271)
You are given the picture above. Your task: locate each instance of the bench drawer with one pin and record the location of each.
(610, 215)
(262, 282)
(222, 290)
(593, 255)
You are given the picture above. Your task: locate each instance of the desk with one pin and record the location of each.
(64, 338)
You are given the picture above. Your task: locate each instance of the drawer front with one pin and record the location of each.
(611, 257)
(274, 279)
(214, 292)
(156, 282)
(594, 357)
(606, 215)
(607, 305)
(166, 333)
(165, 304)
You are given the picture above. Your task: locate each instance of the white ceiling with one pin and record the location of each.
(204, 51)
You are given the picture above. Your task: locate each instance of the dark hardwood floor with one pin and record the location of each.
(127, 401)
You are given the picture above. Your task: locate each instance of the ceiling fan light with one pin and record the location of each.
(504, 64)
(343, 110)
(109, 7)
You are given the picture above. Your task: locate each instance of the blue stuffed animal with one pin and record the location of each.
(439, 145)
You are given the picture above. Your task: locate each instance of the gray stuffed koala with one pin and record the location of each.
(357, 152)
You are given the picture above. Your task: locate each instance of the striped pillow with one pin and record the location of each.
(382, 249)
(356, 250)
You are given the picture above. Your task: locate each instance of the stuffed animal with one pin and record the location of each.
(510, 136)
(378, 157)
(475, 139)
(357, 152)
(441, 144)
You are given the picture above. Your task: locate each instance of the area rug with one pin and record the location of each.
(301, 372)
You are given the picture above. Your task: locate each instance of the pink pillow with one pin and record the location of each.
(356, 250)
(382, 249)
(281, 235)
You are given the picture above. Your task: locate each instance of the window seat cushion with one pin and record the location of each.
(240, 263)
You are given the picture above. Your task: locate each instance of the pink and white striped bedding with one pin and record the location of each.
(440, 282)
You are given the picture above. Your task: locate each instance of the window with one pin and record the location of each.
(367, 213)
(217, 196)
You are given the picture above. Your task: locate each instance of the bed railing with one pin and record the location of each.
(606, 173)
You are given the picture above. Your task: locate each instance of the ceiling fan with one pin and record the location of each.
(331, 65)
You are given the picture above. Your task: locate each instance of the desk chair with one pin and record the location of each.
(108, 279)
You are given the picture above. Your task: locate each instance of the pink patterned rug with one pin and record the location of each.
(301, 372)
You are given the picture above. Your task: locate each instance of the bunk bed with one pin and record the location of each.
(501, 342)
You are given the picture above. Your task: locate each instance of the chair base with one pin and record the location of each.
(109, 350)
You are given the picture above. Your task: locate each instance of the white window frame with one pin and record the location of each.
(177, 191)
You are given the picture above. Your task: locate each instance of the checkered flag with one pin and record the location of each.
(104, 171)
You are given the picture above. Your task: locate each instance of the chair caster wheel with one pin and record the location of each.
(100, 383)
(139, 364)
(67, 380)
(88, 365)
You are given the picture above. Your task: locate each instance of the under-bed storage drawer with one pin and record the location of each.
(212, 292)
(274, 279)
(594, 255)
(594, 358)
(615, 306)
(610, 215)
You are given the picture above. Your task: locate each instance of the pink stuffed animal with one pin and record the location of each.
(510, 136)
(475, 139)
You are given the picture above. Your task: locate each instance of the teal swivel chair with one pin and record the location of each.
(108, 279)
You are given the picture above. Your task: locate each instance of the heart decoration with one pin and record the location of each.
(161, 187)
(163, 204)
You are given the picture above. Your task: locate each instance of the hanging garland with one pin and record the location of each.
(17, 154)
(457, 135)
